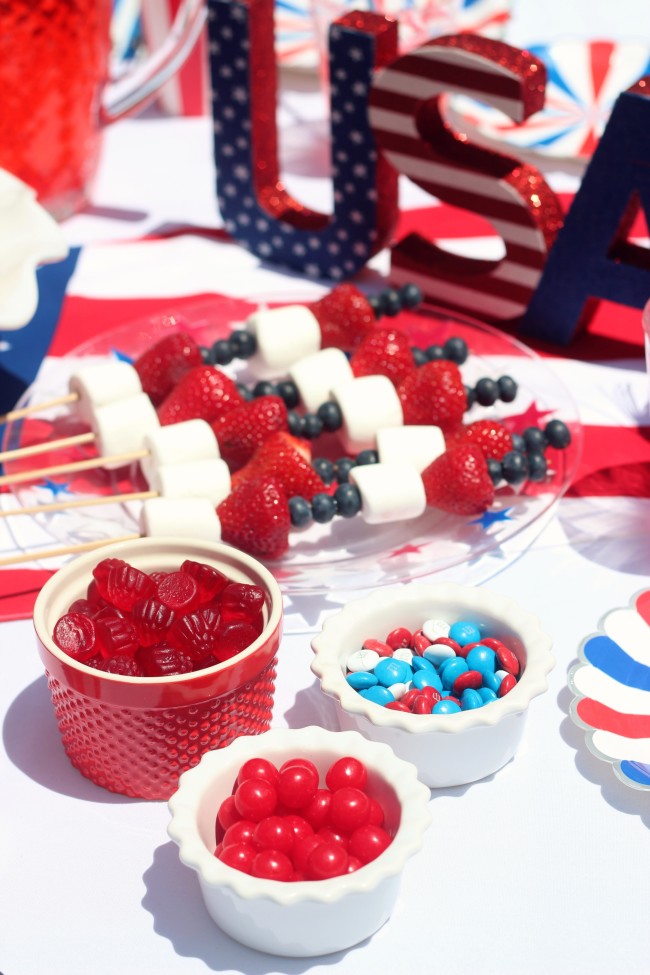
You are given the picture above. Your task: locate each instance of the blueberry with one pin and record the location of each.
(243, 344)
(411, 295)
(299, 512)
(518, 442)
(455, 349)
(507, 389)
(471, 396)
(534, 439)
(206, 354)
(494, 470)
(343, 468)
(221, 352)
(365, 457)
(289, 393)
(434, 352)
(537, 466)
(515, 467)
(263, 388)
(312, 426)
(325, 469)
(348, 500)
(295, 423)
(323, 508)
(375, 303)
(557, 434)
(487, 392)
(419, 356)
(391, 302)
(330, 415)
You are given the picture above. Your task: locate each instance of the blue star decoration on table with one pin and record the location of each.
(122, 356)
(489, 518)
(55, 488)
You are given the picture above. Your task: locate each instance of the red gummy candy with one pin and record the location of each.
(116, 636)
(83, 606)
(232, 638)
(241, 602)
(209, 580)
(195, 633)
(122, 664)
(151, 619)
(125, 585)
(163, 661)
(94, 596)
(179, 592)
(103, 568)
(76, 635)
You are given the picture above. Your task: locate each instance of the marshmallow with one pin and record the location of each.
(389, 492)
(413, 446)
(284, 336)
(120, 427)
(180, 518)
(102, 383)
(318, 374)
(178, 443)
(368, 404)
(208, 478)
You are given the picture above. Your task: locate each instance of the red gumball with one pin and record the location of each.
(272, 833)
(297, 785)
(255, 799)
(302, 849)
(240, 832)
(240, 856)
(317, 812)
(346, 771)
(272, 865)
(327, 860)
(349, 809)
(368, 842)
(258, 768)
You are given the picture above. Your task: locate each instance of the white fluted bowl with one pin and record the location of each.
(305, 918)
(447, 749)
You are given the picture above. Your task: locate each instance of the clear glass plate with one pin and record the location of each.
(346, 554)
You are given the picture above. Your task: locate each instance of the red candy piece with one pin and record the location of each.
(448, 642)
(272, 833)
(116, 636)
(195, 634)
(399, 638)
(297, 785)
(83, 606)
(330, 835)
(420, 642)
(507, 660)
(396, 706)
(123, 664)
(258, 768)
(255, 799)
(298, 825)
(346, 771)
(303, 848)
(103, 568)
(124, 586)
(368, 842)
(508, 682)
(151, 619)
(179, 592)
(163, 660)
(422, 705)
(94, 596)
(272, 865)
(317, 811)
(240, 832)
(471, 678)
(326, 860)
(378, 646)
(233, 639)
(76, 634)
(376, 817)
(407, 699)
(240, 857)
(241, 602)
(349, 809)
(353, 864)
(210, 581)
(227, 814)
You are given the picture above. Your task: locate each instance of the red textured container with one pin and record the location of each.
(136, 735)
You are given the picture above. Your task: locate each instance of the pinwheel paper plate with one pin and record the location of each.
(611, 684)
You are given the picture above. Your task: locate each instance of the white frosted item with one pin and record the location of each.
(318, 374)
(102, 383)
(389, 492)
(433, 629)
(120, 427)
(180, 518)
(414, 446)
(361, 660)
(398, 690)
(367, 404)
(208, 478)
(179, 443)
(284, 336)
(29, 236)
(403, 653)
(438, 652)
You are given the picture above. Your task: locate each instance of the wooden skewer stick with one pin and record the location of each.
(41, 448)
(37, 555)
(38, 509)
(79, 465)
(37, 407)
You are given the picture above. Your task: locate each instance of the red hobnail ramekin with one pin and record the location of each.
(136, 735)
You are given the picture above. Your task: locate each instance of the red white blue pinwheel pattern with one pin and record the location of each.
(611, 685)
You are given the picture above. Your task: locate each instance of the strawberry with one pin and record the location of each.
(490, 436)
(384, 351)
(345, 316)
(434, 394)
(458, 481)
(162, 365)
(255, 518)
(203, 393)
(240, 432)
(279, 459)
